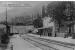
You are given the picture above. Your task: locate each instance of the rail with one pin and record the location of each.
(67, 45)
(41, 44)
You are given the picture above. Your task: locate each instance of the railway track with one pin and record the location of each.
(40, 45)
(50, 44)
(68, 45)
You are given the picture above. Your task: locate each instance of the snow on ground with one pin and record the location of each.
(21, 44)
(61, 39)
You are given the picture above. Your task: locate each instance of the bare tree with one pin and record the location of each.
(61, 12)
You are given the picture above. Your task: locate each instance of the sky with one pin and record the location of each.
(20, 8)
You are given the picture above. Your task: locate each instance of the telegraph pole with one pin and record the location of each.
(12, 27)
(7, 27)
(32, 17)
(6, 22)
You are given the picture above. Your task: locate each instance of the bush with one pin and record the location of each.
(73, 36)
(4, 39)
(30, 31)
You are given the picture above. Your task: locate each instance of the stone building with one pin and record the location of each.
(48, 27)
(21, 29)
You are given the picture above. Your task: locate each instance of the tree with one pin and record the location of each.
(61, 12)
(38, 23)
(43, 12)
